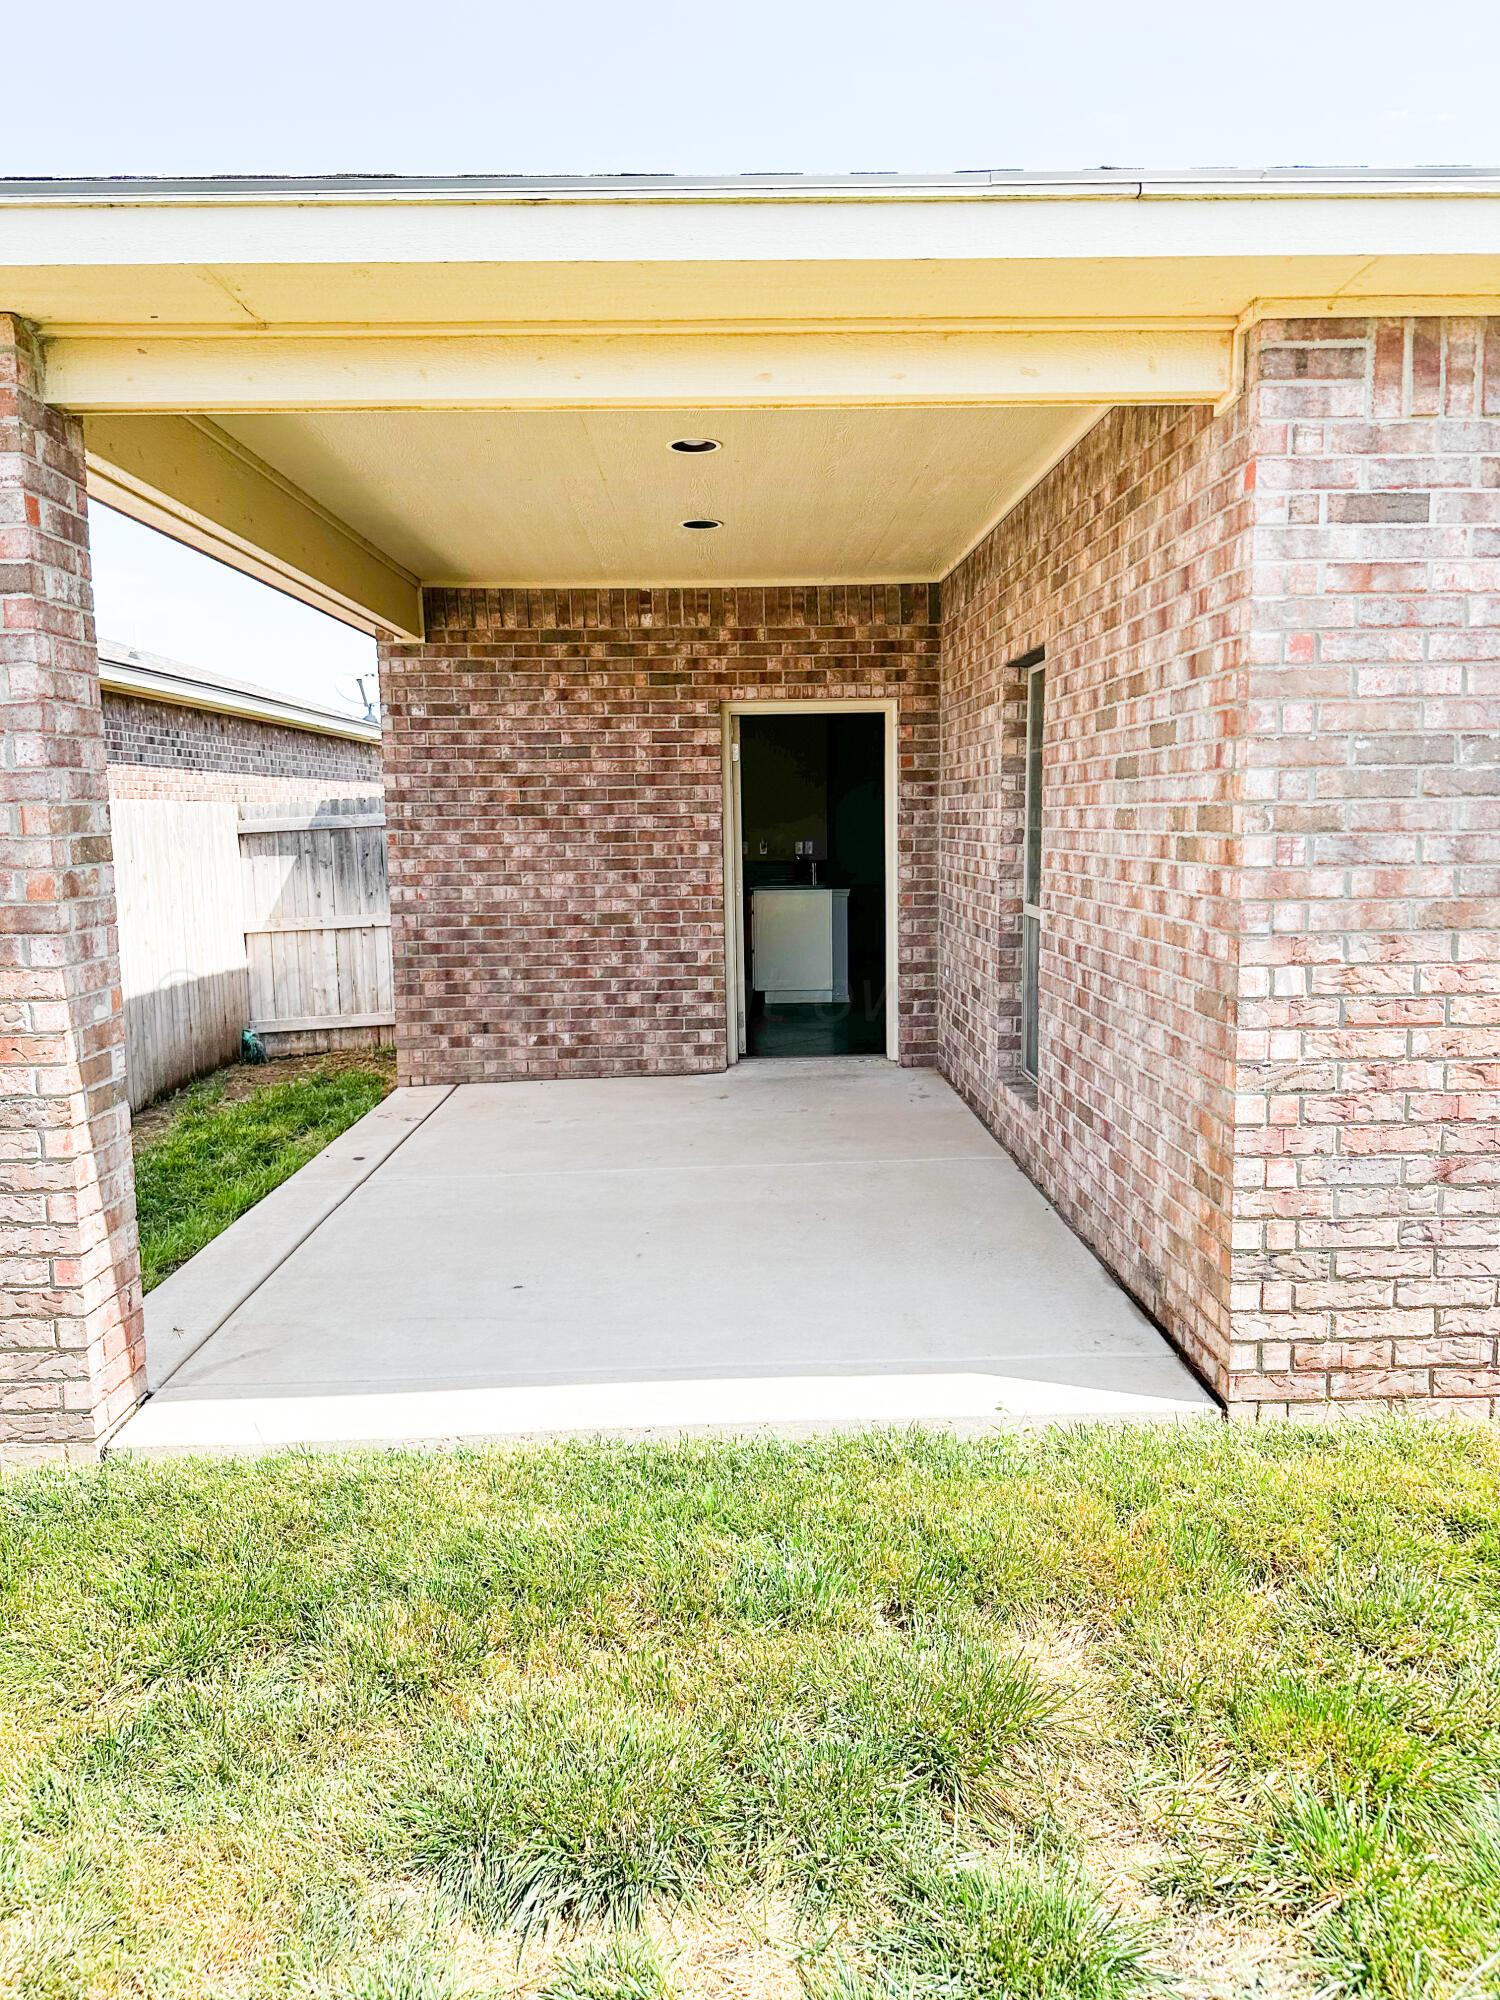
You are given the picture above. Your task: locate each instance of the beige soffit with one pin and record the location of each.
(600, 498)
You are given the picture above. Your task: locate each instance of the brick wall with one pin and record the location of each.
(1367, 1211)
(1270, 1045)
(162, 750)
(555, 806)
(71, 1355)
(1128, 563)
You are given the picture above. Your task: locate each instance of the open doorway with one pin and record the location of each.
(810, 841)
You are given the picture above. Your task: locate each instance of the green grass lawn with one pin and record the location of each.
(1091, 1715)
(213, 1150)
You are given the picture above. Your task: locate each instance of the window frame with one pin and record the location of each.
(1034, 666)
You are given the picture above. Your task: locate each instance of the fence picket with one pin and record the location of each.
(284, 926)
(325, 934)
(182, 943)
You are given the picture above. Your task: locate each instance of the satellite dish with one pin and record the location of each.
(363, 691)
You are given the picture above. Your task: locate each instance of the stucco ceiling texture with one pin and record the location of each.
(599, 497)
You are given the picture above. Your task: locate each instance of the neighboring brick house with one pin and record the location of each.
(171, 733)
(1220, 458)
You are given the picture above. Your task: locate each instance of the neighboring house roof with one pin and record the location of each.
(149, 677)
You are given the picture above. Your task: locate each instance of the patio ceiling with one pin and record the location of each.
(355, 386)
(598, 497)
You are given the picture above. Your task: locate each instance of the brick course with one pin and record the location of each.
(166, 750)
(554, 795)
(71, 1353)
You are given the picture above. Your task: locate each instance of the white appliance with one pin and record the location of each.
(799, 943)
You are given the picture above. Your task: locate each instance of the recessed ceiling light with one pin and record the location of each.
(694, 444)
(703, 524)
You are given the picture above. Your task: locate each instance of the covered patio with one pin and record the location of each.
(1154, 521)
(790, 1246)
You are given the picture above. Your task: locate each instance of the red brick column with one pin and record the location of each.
(71, 1354)
(1366, 1212)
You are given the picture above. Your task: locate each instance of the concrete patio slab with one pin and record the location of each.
(789, 1245)
(196, 1301)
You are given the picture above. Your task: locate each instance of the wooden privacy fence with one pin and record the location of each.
(182, 939)
(278, 924)
(317, 925)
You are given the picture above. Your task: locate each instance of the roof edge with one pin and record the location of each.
(149, 677)
(976, 184)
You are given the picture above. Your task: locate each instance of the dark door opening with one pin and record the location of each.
(812, 827)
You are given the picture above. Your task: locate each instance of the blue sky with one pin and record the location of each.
(644, 85)
(160, 597)
(301, 86)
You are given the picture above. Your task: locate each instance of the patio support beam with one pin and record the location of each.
(183, 475)
(656, 368)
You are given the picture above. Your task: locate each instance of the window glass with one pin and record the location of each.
(1031, 893)
(1035, 701)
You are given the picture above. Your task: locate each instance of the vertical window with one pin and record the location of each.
(1031, 886)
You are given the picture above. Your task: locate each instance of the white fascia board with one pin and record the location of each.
(695, 224)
